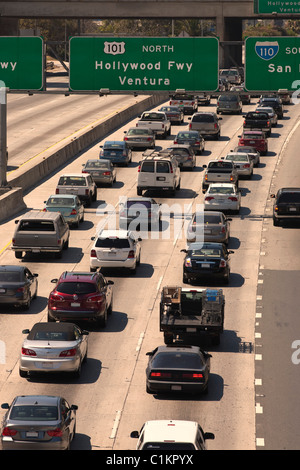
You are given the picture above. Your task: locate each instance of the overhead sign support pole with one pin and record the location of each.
(3, 135)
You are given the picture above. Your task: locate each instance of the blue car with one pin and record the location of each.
(116, 151)
(68, 205)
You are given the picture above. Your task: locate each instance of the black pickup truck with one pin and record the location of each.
(188, 313)
(258, 121)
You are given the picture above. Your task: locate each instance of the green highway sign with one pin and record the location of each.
(282, 7)
(144, 64)
(271, 63)
(22, 62)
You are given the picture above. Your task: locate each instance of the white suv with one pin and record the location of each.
(171, 435)
(158, 172)
(115, 249)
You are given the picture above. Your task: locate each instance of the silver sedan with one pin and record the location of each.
(38, 422)
(140, 137)
(52, 348)
(209, 226)
(243, 164)
(102, 171)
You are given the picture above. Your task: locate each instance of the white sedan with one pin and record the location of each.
(222, 197)
(242, 162)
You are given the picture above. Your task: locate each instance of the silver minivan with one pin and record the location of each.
(158, 172)
(207, 123)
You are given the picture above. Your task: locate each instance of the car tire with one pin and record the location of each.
(18, 254)
(50, 319)
(276, 222)
(23, 374)
(139, 191)
(103, 319)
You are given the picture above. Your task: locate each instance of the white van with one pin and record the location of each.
(171, 435)
(157, 172)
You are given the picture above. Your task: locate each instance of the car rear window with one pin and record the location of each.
(289, 198)
(112, 243)
(34, 413)
(162, 167)
(98, 164)
(203, 118)
(76, 287)
(71, 181)
(228, 98)
(36, 226)
(147, 167)
(140, 131)
(207, 219)
(206, 252)
(138, 204)
(177, 359)
(60, 201)
(253, 136)
(10, 276)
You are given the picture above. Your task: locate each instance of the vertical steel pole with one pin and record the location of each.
(3, 134)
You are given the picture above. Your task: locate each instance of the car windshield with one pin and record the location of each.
(112, 243)
(60, 201)
(34, 413)
(10, 276)
(220, 190)
(177, 360)
(76, 288)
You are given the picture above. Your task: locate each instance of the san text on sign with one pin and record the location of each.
(144, 64)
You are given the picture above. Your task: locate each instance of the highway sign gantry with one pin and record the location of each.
(281, 7)
(22, 62)
(272, 63)
(144, 64)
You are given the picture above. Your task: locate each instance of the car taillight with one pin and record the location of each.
(268, 123)
(247, 165)
(13, 241)
(223, 230)
(93, 254)
(131, 254)
(216, 126)
(86, 192)
(231, 178)
(209, 198)
(244, 122)
(21, 289)
(9, 432)
(54, 297)
(149, 139)
(139, 168)
(55, 432)
(276, 208)
(165, 375)
(28, 352)
(205, 177)
(188, 263)
(84, 171)
(107, 173)
(192, 376)
(59, 241)
(68, 353)
(125, 138)
(57, 191)
(190, 125)
(222, 263)
(74, 212)
(197, 143)
(232, 198)
(96, 298)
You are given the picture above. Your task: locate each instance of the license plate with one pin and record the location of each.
(32, 434)
(205, 265)
(47, 365)
(161, 178)
(191, 330)
(207, 231)
(176, 387)
(36, 251)
(2, 291)
(252, 142)
(96, 173)
(291, 210)
(75, 304)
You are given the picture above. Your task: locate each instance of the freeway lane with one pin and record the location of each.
(35, 123)
(278, 326)
(111, 391)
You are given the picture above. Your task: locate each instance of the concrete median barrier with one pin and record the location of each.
(50, 160)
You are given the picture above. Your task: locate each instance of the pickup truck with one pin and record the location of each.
(190, 313)
(219, 171)
(157, 121)
(258, 121)
(189, 103)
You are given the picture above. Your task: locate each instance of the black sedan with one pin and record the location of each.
(38, 422)
(174, 368)
(17, 285)
(206, 260)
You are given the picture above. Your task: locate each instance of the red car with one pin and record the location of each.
(80, 296)
(256, 139)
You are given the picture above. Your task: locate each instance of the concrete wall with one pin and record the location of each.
(51, 160)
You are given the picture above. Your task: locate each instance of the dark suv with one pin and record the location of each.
(286, 205)
(80, 296)
(274, 103)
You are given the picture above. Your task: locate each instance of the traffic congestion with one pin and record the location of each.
(98, 354)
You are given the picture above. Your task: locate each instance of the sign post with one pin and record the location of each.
(271, 63)
(21, 62)
(144, 64)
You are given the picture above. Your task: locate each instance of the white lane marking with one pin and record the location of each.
(116, 425)
(140, 341)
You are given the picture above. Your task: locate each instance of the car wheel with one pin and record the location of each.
(103, 319)
(93, 270)
(18, 254)
(139, 191)
(276, 222)
(77, 372)
(27, 304)
(50, 319)
(23, 373)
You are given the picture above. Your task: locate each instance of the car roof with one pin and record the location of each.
(223, 185)
(78, 276)
(119, 233)
(37, 214)
(60, 196)
(166, 430)
(139, 198)
(288, 190)
(7, 267)
(77, 175)
(253, 132)
(37, 400)
(177, 348)
(195, 245)
(53, 327)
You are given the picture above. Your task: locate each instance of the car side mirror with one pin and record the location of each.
(93, 238)
(5, 406)
(54, 281)
(272, 196)
(135, 434)
(140, 239)
(208, 435)
(110, 283)
(26, 332)
(183, 251)
(74, 407)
